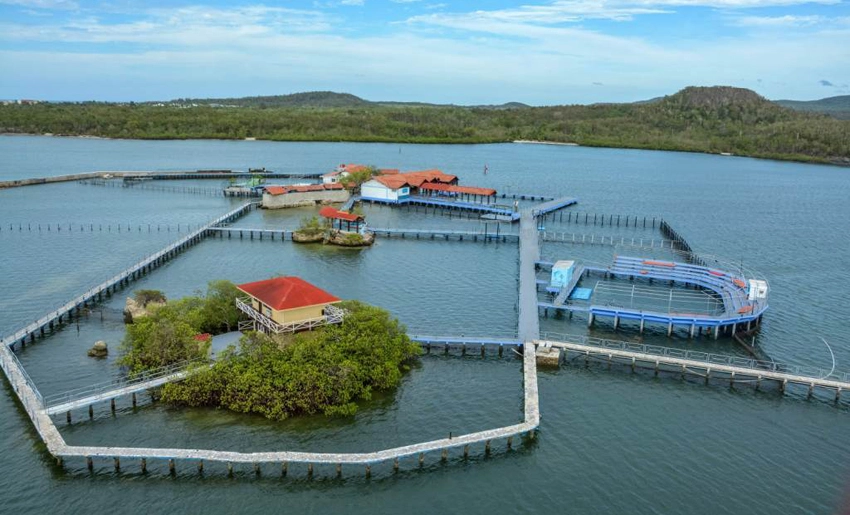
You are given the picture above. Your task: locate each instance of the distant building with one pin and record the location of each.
(398, 186)
(286, 304)
(276, 197)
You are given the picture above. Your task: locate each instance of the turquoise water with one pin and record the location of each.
(609, 441)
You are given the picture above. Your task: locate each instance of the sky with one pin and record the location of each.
(541, 52)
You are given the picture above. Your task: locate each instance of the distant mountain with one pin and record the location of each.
(321, 99)
(318, 99)
(838, 107)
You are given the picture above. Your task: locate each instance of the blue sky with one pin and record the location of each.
(535, 51)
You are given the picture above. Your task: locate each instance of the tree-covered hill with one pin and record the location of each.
(715, 119)
(838, 107)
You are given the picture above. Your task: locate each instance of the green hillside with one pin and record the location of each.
(696, 119)
(838, 107)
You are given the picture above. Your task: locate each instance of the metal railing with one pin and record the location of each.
(707, 358)
(593, 239)
(62, 309)
(120, 382)
(333, 315)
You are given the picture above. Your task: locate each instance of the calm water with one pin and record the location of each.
(609, 441)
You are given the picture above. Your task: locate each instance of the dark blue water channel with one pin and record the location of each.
(609, 441)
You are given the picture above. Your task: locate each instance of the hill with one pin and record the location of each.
(317, 100)
(837, 107)
(697, 119)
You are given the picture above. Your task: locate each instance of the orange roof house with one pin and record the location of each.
(287, 304)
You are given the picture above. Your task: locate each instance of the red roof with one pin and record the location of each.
(282, 293)
(469, 190)
(388, 171)
(392, 181)
(202, 337)
(351, 168)
(275, 190)
(329, 212)
(280, 190)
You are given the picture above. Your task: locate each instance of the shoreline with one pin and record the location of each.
(843, 162)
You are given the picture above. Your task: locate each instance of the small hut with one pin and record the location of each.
(343, 220)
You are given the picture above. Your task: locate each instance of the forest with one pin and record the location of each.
(713, 120)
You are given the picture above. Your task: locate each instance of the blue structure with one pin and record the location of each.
(739, 309)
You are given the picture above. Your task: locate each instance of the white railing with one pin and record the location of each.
(333, 315)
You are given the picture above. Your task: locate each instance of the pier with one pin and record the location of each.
(89, 395)
(162, 176)
(703, 364)
(529, 254)
(432, 234)
(75, 306)
(499, 212)
(612, 241)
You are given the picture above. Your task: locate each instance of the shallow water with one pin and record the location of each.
(609, 441)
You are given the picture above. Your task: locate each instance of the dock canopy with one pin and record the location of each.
(342, 220)
(460, 190)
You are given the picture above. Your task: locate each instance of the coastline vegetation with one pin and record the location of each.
(325, 371)
(713, 120)
(168, 334)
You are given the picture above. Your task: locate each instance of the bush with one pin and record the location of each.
(167, 335)
(323, 371)
(143, 297)
(312, 226)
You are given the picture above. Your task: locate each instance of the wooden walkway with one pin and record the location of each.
(593, 239)
(529, 254)
(87, 396)
(95, 294)
(685, 361)
(153, 175)
(432, 234)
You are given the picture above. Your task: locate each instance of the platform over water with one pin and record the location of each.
(529, 253)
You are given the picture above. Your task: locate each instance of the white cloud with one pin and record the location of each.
(779, 21)
(205, 51)
(43, 4)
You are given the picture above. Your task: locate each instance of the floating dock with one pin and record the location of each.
(739, 312)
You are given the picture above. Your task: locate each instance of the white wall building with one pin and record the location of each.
(385, 188)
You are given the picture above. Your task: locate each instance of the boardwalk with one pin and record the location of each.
(690, 361)
(89, 395)
(142, 267)
(485, 235)
(529, 254)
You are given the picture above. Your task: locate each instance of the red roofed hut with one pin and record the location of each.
(343, 220)
(287, 304)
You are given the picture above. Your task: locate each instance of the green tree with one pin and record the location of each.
(323, 371)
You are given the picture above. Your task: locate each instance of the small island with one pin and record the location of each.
(303, 352)
(342, 228)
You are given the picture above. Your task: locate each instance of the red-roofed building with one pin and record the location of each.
(292, 195)
(342, 220)
(287, 304)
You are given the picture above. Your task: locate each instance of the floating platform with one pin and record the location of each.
(739, 311)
